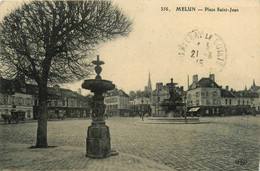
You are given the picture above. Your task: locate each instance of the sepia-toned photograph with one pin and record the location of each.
(137, 85)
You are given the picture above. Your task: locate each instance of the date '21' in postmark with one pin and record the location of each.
(207, 50)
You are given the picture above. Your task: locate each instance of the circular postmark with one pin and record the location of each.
(205, 49)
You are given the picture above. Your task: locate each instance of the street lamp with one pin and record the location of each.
(142, 110)
(134, 108)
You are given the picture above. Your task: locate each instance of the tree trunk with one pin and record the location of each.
(42, 117)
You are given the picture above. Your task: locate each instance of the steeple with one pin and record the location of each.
(149, 86)
(253, 82)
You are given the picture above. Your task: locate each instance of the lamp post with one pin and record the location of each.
(134, 108)
(142, 109)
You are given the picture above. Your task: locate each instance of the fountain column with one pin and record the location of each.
(98, 136)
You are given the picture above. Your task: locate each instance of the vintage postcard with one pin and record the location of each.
(130, 85)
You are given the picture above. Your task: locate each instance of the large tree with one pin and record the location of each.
(50, 42)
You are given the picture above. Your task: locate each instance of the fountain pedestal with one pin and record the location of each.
(98, 141)
(98, 136)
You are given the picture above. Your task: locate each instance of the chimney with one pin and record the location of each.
(159, 86)
(212, 77)
(231, 89)
(226, 87)
(195, 78)
(79, 91)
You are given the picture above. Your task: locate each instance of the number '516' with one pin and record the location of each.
(164, 9)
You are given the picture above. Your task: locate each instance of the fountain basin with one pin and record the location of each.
(98, 85)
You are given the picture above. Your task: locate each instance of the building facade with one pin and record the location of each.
(158, 95)
(67, 103)
(204, 95)
(206, 98)
(14, 98)
(17, 96)
(117, 103)
(141, 106)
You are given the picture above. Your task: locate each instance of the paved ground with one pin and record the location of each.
(226, 143)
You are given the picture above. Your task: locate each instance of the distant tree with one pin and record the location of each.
(50, 42)
(146, 94)
(138, 94)
(132, 95)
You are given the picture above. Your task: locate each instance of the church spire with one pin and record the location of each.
(149, 86)
(253, 82)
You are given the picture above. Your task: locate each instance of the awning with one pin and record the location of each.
(194, 109)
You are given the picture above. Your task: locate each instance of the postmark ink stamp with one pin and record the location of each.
(207, 50)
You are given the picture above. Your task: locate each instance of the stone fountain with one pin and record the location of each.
(174, 104)
(98, 136)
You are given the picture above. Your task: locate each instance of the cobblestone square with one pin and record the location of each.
(217, 145)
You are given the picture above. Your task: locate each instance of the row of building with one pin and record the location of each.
(17, 96)
(204, 97)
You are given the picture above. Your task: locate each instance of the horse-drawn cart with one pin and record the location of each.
(15, 117)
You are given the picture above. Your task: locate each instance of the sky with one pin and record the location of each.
(153, 45)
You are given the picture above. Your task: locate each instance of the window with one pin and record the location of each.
(238, 102)
(72, 103)
(247, 102)
(230, 102)
(197, 102)
(12, 100)
(226, 101)
(28, 101)
(197, 94)
(243, 102)
(63, 102)
(5, 101)
(215, 102)
(16, 100)
(207, 102)
(36, 102)
(20, 100)
(28, 114)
